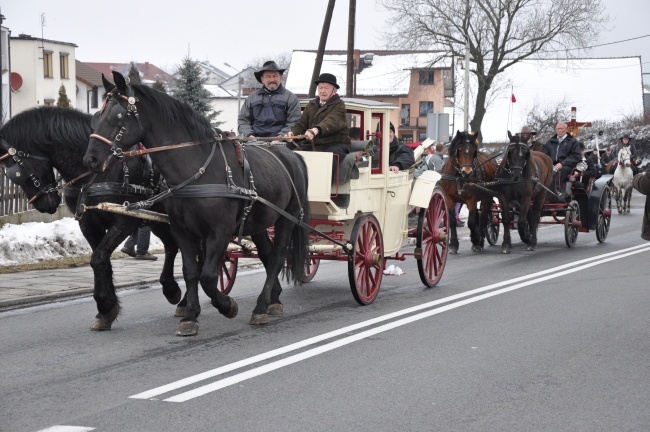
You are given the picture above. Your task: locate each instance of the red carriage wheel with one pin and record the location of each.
(366, 262)
(227, 272)
(604, 214)
(432, 241)
(493, 225)
(311, 267)
(571, 223)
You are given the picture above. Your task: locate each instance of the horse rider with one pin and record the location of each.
(564, 151)
(324, 122)
(526, 136)
(270, 111)
(400, 156)
(626, 141)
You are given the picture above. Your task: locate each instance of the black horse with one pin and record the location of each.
(524, 177)
(214, 188)
(48, 137)
(465, 166)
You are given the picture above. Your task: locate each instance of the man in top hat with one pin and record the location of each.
(626, 141)
(270, 111)
(526, 135)
(324, 123)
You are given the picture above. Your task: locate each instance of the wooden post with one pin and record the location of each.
(349, 80)
(321, 47)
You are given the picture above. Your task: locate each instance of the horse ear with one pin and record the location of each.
(108, 86)
(510, 136)
(120, 82)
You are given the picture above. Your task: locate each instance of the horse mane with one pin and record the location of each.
(176, 111)
(48, 126)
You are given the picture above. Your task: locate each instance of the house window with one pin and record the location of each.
(94, 98)
(426, 77)
(405, 114)
(425, 108)
(47, 64)
(422, 136)
(407, 138)
(63, 60)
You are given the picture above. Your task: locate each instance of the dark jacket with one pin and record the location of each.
(330, 120)
(400, 155)
(605, 158)
(267, 114)
(641, 183)
(566, 152)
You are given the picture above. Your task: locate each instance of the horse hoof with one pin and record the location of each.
(275, 309)
(477, 248)
(453, 251)
(187, 328)
(176, 298)
(234, 309)
(530, 248)
(505, 251)
(180, 312)
(101, 324)
(259, 319)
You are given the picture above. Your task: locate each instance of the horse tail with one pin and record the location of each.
(298, 250)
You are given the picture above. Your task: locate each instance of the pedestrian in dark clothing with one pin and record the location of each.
(324, 122)
(137, 245)
(400, 156)
(641, 183)
(270, 111)
(564, 151)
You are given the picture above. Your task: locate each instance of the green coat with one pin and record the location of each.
(641, 183)
(330, 119)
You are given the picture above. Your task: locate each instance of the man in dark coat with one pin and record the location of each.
(606, 157)
(641, 183)
(400, 156)
(324, 123)
(564, 151)
(270, 111)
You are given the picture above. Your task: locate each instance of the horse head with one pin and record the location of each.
(516, 157)
(463, 152)
(33, 173)
(117, 125)
(624, 156)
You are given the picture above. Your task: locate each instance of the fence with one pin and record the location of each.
(12, 198)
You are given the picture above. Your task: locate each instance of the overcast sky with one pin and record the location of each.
(238, 31)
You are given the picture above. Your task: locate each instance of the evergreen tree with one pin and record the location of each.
(63, 101)
(134, 75)
(190, 89)
(160, 86)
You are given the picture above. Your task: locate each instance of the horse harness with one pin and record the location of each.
(478, 167)
(185, 189)
(18, 173)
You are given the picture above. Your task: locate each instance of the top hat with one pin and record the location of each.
(268, 66)
(327, 78)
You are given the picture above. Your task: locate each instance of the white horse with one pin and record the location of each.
(623, 180)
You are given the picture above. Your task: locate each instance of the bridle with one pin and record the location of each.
(520, 147)
(19, 173)
(466, 145)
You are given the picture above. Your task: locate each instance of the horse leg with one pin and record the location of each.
(215, 248)
(170, 287)
(275, 262)
(506, 246)
(451, 217)
(189, 324)
(264, 251)
(108, 305)
(473, 225)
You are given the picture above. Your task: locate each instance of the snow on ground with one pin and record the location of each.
(33, 242)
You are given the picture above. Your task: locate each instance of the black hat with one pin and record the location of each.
(268, 66)
(327, 78)
(627, 135)
(392, 127)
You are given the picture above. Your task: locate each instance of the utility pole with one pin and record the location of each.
(321, 47)
(466, 93)
(349, 81)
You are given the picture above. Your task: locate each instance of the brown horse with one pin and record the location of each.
(524, 176)
(467, 165)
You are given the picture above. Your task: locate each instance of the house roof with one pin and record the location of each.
(599, 88)
(150, 73)
(388, 73)
(212, 68)
(27, 37)
(89, 76)
(219, 92)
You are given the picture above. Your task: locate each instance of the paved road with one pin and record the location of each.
(520, 342)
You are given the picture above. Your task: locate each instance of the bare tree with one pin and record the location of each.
(543, 118)
(500, 33)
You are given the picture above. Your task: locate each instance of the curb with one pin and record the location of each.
(81, 292)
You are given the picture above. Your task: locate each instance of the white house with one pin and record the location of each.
(225, 101)
(42, 65)
(5, 77)
(90, 88)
